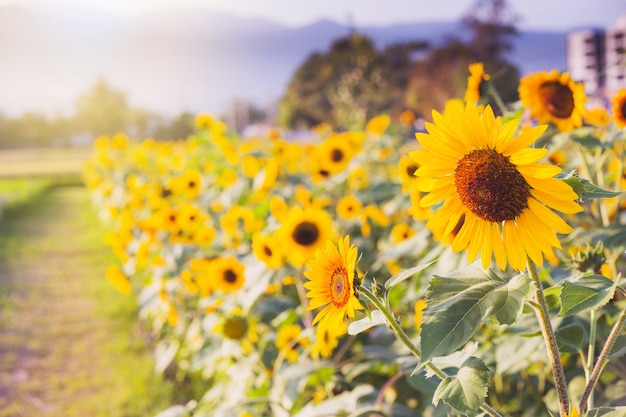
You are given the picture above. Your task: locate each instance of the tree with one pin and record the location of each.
(348, 85)
(103, 110)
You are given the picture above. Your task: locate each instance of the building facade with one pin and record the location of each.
(597, 58)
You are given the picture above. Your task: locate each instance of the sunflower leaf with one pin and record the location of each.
(586, 190)
(465, 391)
(590, 291)
(606, 412)
(619, 348)
(376, 319)
(407, 273)
(456, 305)
(570, 338)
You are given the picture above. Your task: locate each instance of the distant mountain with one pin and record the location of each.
(188, 60)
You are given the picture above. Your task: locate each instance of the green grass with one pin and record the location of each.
(70, 344)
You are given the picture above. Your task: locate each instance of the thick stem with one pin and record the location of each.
(399, 332)
(602, 359)
(543, 316)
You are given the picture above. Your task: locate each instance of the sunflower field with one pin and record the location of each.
(472, 268)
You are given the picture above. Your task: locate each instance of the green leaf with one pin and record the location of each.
(407, 273)
(619, 348)
(570, 337)
(590, 291)
(376, 319)
(465, 391)
(458, 304)
(587, 190)
(606, 412)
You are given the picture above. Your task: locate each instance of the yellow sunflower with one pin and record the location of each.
(334, 154)
(494, 197)
(407, 168)
(302, 232)
(401, 232)
(228, 274)
(326, 340)
(289, 339)
(266, 249)
(476, 83)
(554, 97)
(330, 284)
(619, 108)
(349, 207)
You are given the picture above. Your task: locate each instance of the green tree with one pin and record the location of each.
(348, 85)
(103, 110)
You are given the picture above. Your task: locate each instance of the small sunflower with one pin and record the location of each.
(554, 97)
(190, 183)
(401, 232)
(228, 274)
(289, 339)
(302, 232)
(330, 284)
(334, 154)
(619, 108)
(267, 250)
(326, 340)
(407, 168)
(378, 125)
(494, 197)
(476, 83)
(349, 207)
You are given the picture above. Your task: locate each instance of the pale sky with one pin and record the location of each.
(534, 14)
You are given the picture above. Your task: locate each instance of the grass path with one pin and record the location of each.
(70, 344)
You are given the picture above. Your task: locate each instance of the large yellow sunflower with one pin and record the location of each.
(494, 197)
(619, 108)
(554, 97)
(302, 232)
(330, 284)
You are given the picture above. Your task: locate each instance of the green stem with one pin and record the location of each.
(399, 332)
(602, 359)
(543, 316)
(591, 352)
(496, 97)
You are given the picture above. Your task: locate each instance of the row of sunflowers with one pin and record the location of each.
(475, 270)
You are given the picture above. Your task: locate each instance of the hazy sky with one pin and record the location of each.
(542, 14)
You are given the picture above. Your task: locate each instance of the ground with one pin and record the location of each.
(69, 344)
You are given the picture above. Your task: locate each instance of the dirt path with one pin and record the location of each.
(68, 342)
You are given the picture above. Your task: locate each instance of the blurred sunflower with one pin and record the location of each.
(476, 83)
(619, 108)
(330, 284)
(401, 232)
(326, 340)
(378, 125)
(554, 97)
(116, 276)
(302, 232)
(491, 194)
(189, 184)
(407, 168)
(349, 207)
(289, 339)
(228, 274)
(334, 154)
(266, 249)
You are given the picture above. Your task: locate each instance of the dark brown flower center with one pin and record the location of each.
(336, 155)
(490, 186)
(230, 276)
(410, 170)
(235, 328)
(557, 98)
(267, 251)
(623, 110)
(305, 234)
(192, 184)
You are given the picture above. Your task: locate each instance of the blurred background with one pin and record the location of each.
(73, 70)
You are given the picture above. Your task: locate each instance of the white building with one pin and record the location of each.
(597, 58)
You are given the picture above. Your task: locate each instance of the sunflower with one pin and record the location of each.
(554, 97)
(619, 108)
(330, 284)
(334, 154)
(349, 207)
(407, 168)
(116, 276)
(288, 339)
(326, 340)
(266, 249)
(302, 232)
(491, 195)
(378, 125)
(476, 83)
(228, 274)
(401, 232)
